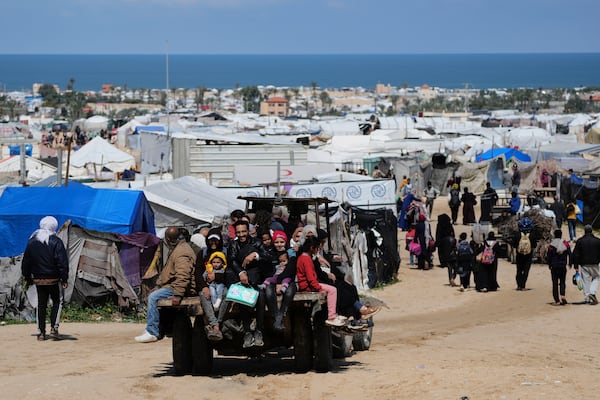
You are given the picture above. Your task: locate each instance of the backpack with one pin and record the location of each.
(454, 198)
(487, 257)
(464, 251)
(524, 246)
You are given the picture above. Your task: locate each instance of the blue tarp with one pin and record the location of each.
(148, 128)
(106, 210)
(507, 152)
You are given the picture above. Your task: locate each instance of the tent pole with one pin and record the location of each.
(68, 160)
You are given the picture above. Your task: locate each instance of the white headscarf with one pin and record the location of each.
(308, 228)
(48, 226)
(559, 245)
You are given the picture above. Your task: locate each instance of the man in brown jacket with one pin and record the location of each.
(175, 281)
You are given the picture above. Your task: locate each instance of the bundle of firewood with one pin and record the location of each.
(541, 235)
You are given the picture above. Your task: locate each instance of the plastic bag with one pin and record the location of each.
(578, 280)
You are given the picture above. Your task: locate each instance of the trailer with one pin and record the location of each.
(314, 343)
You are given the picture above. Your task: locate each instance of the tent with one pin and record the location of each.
(95, 123)
(506, 152)
(187, 201)
(99, 152)
(105, 210)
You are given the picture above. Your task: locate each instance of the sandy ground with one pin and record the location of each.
(433, 342)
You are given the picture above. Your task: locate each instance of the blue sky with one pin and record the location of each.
(298, 26)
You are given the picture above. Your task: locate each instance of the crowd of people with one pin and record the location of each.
(477, 256)
(279, 256)
(256, 254)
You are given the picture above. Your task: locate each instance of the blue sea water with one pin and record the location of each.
(479, 71)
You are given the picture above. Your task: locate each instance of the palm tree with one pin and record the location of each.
(394, 99)
(314, 86)
(325, 99)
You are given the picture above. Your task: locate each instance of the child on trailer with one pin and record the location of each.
(283, 260)
(215, 277)
(307, 280)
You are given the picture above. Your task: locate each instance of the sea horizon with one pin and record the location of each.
(18, 72)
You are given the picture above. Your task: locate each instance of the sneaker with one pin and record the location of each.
(248, 340)
(213, 333)
(41, 337)
(146, 337)
(54, 333)
(563, 301)
(358, 325)
(258, 339)
(593, 299)
(337, 321)
(232, 326)
(370, 312)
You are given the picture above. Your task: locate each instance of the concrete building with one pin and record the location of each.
(275, 106)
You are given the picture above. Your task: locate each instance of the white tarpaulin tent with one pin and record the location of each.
(95, 123)
(100, 153)
(187, 201)
(36, 169)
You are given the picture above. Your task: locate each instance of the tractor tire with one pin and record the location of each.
(342, 344)
(362, 339)
(303, 341)
(202, 351)
(182, 344)
(323, 347)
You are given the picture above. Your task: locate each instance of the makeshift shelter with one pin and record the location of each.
(36, 169)
(100, 154)
(103, 267)
(106, 266)
(187, 201)
(95, 123)
(375, 257)
(506, 152)
(105, 210)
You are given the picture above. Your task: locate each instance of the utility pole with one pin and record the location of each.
(467, 97)
(167, 79)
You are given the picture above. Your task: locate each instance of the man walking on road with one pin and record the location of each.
(587, 256)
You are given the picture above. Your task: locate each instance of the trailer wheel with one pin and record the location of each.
(202, 351)
(182, 344)
(323, 348)
(362, 339)
(303, 341)
(342, 345)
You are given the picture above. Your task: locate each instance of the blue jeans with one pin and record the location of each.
(572, 231)
(216, 291)
(152, 314)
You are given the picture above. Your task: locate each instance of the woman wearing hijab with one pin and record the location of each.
(469, 202)
(46, 264)
(445, 241)
(423, 237)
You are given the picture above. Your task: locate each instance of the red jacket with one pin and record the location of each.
(307, 277)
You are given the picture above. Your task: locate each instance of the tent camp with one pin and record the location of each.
(105, 210)
(506, 152)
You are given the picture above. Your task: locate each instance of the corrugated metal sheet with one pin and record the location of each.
(217, 162)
